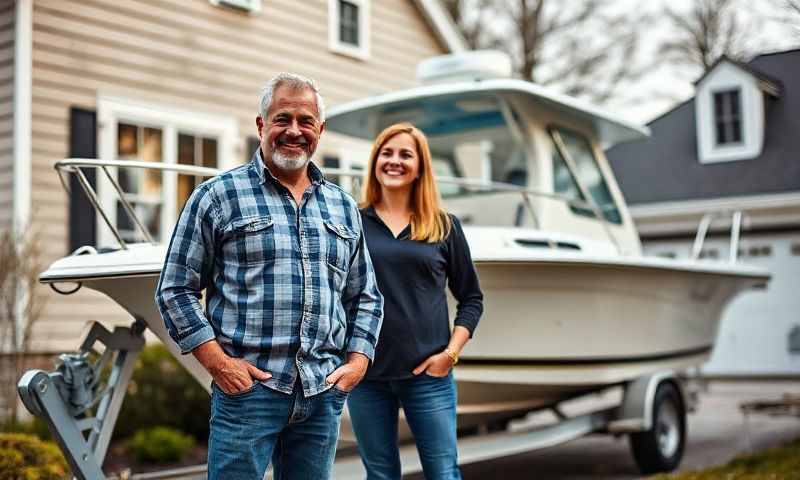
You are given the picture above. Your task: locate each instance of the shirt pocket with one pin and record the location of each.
(340, 246)
(253, 240)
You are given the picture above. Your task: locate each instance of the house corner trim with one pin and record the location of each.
(23, 40)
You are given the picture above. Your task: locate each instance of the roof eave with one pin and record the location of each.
(443, 25)
(767, 84)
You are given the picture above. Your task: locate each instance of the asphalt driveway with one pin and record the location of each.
(716, 434)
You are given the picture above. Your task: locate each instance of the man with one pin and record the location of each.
(292, 308)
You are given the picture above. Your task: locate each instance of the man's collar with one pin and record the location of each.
(264, 173)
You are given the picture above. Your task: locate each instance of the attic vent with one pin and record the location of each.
(252, 6)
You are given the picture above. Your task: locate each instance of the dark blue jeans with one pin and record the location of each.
(298, 433)
(429, 404)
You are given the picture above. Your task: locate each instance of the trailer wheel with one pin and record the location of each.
(660, 449)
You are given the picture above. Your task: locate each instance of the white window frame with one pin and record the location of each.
(751, 115)
(334, 18)
(112, 110)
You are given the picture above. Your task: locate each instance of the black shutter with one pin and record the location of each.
(82, 144)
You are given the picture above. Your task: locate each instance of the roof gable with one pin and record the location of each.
(765, 82)
(665, 167)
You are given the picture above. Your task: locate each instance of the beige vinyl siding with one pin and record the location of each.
(190, 55)
(7, 12)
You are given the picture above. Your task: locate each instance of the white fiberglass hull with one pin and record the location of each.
(553, 326)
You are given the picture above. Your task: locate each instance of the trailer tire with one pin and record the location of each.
(660, 449)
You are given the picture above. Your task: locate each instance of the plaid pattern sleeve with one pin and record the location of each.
(362, 301)
(186, 273)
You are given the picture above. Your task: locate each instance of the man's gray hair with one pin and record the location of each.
(292, 80)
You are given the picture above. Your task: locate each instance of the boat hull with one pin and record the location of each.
(550, 330)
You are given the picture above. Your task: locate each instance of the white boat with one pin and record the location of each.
(571, 305)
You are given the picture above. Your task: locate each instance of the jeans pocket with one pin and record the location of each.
(340, 392)
(243, 393)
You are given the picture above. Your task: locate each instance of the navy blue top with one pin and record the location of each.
(412, 276)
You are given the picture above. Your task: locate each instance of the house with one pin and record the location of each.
(173, 81)
(734, 147)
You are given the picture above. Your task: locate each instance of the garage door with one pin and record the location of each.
(760, 330)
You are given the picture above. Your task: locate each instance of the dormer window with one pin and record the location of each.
(730, 112)
(348, 27)
(728, 117)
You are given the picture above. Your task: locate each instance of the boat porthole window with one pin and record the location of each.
(794, 340)
(796, 249)
(711, 253)
(760, 251)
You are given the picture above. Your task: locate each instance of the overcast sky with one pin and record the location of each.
(660, 90)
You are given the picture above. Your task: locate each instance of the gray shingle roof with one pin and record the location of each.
(665, 167)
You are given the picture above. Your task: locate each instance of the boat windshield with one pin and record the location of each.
(470, 136)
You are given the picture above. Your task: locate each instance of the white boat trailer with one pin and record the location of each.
(80, 406)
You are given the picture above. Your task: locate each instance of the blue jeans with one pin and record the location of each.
(298, 433)
(429, 404)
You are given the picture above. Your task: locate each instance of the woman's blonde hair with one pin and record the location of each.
(429, 222)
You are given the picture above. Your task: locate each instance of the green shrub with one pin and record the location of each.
(26, 457)
(162, 393)
(35, 426)
(159, 445)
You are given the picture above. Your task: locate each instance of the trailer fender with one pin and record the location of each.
(635, 413)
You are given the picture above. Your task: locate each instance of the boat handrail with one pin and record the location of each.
(705, 225)
(75, 166)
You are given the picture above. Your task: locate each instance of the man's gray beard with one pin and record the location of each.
(285, 162)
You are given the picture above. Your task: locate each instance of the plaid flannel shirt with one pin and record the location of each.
(290, 289)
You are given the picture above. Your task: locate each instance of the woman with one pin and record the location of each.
(417, 249)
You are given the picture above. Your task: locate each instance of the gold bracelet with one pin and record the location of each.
(453, 355)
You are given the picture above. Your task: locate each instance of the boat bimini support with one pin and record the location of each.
(81, 399)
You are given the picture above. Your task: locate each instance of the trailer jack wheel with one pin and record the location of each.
(660, 449)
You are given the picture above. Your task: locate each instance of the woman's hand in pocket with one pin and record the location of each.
(437, 365)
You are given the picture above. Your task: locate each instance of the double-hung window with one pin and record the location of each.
(727, 117)
(148, 133)
(348, 27)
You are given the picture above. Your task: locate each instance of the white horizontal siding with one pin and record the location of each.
(193, 56)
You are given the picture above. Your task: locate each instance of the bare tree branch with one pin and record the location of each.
(708, 31)
(793, 14)
(20, 266)
(557, 43)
